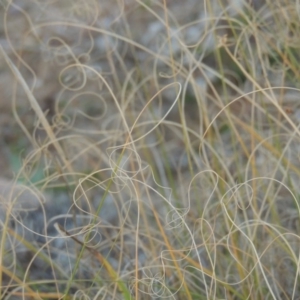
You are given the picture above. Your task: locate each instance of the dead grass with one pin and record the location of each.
(152, 150)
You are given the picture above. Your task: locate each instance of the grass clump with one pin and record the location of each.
(160, 150)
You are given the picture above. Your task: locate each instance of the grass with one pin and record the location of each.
(160, 151)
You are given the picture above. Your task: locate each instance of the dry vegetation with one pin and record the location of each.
(149, 149)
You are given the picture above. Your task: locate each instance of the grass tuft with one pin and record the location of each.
(151, 149)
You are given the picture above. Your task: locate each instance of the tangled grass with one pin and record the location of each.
(154, 148)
